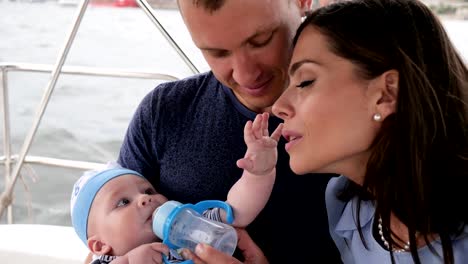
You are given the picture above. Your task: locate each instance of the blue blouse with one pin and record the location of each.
(342, 222)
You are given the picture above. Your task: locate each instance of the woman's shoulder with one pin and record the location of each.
(342, 214)
(334, 205)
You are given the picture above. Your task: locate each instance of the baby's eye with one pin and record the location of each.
(305, 83)
(123, 202)
(150, 191)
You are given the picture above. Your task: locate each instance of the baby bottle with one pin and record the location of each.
(183, 226)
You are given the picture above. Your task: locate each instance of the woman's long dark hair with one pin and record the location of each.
(418, 169)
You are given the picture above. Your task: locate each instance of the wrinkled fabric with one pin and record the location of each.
(343, 229)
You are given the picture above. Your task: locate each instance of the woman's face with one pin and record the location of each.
(327, 110)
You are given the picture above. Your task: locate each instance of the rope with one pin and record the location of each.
(33, 176)
(5, 200)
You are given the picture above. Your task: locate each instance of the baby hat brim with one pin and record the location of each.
(84, 191)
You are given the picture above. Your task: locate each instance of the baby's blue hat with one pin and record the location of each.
(84, 191)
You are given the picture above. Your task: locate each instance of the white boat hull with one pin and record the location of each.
(40, 244)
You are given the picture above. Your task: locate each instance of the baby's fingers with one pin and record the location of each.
(265, 132)
(160, 247)
(277, 133)
(257, 127)
(157, 250)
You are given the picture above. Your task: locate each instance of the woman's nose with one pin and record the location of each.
(144, 200)
(280, 110)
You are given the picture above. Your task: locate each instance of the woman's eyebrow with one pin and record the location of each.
(298, 64)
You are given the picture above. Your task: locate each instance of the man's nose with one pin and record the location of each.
(245, 69)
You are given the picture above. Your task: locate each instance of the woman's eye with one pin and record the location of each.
(150, 191)
(123, 202)
(305, 83)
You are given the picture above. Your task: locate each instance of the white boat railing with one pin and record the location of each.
(13, 162)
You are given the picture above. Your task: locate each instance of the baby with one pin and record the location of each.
(112, 209)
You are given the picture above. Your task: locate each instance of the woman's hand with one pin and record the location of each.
(205, 254)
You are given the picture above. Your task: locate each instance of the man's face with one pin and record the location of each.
(247, 45)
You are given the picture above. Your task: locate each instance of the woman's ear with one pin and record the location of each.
(97, 246)
(385, 93)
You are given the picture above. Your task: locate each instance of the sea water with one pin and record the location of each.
(87, 117)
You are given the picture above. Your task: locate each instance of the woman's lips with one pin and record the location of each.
(292, 138)
(291, 143)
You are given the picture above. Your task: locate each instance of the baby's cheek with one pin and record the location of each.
(160, 199)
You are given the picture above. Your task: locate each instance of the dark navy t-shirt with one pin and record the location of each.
(186, 137)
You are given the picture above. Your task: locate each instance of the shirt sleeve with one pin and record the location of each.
(136, 152)
(213, 214)
(104, 259)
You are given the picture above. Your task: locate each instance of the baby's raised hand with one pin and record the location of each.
(146, 253)
(261, 155)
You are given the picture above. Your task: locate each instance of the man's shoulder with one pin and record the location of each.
(190, 83)
(202, 89)
(185, 90)
(174, 101)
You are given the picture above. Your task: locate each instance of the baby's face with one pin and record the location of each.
(121, 214)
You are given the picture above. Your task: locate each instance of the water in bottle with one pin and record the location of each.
(183, 226)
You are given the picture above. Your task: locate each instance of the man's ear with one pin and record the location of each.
(97, 246)
(304, 6)
(384, 90)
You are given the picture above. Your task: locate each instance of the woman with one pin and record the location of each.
(378, 94)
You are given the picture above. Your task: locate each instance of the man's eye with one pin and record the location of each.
(219, 53)
(262, 41)
(123, 202)
(305, 83)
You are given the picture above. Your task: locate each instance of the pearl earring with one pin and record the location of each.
(377, 117)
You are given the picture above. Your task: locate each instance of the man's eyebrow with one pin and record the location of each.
(212, 49)
(262, 31)
(298, 64)
(256, 34)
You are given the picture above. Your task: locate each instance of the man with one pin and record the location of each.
(186, 135)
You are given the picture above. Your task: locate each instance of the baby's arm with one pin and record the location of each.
(251, 192)
(146, 253)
